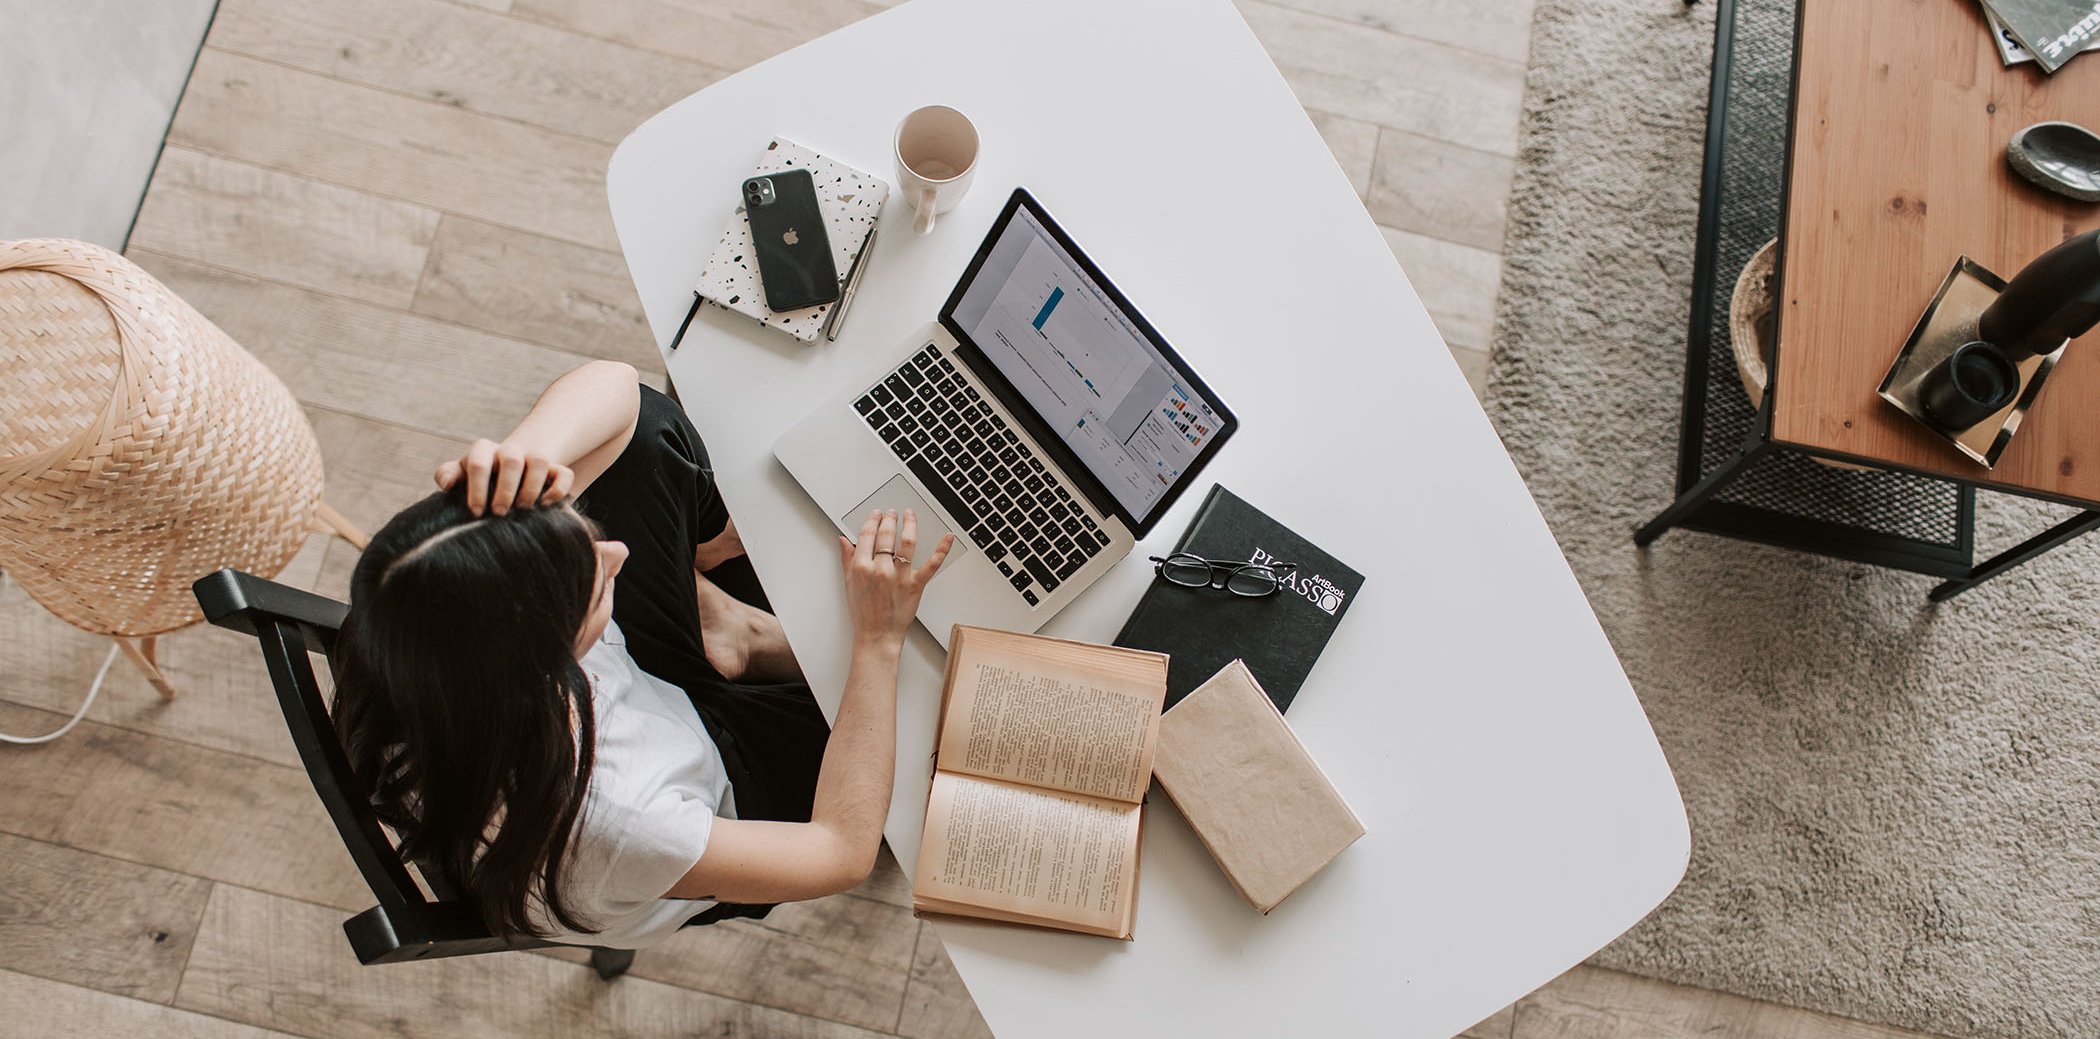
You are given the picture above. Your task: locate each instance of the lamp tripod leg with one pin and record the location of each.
(329, 521)
(142, 654)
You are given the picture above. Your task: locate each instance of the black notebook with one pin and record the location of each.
(1204, 629)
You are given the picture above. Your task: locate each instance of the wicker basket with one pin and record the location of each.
(1750, 321)
(1750, 330)
(140, 447)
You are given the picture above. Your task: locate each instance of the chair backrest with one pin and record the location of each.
(405, 925)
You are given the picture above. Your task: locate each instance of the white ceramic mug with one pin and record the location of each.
(936, 154)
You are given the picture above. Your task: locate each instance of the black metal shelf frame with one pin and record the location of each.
(1732, 479)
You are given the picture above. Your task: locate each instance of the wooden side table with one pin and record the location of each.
(1890, 165)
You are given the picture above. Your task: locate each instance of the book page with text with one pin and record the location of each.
(1029, 853)
(1048, 713)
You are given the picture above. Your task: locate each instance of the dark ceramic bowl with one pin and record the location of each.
(2062, 157)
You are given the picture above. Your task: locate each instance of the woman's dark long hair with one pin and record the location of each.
(456, 685)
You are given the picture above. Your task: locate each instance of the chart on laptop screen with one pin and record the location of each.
(1086, 369)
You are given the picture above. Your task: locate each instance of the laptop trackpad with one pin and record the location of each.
(898, 494)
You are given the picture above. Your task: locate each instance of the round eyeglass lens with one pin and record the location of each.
(1181, 570)
(1251, 581)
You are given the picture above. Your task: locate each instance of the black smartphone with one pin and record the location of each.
(787, 233)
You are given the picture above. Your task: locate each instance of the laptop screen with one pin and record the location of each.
(1092, 369)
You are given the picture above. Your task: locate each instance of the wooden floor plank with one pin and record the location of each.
(285, 227)
(81, 918)
(376, 469)
(284, 964)
(1500, 1025)
(1457, 284)
(176, 807)
(1588, 1003)
(50, 1010)
(1440, 189)
(730, 34)
(842, 958)
(936, 1004)
(357, 358)
(425, 152)
(381, 467)
(515, 69)
(1496, 28)
(1473, 364)
(1354, 144)
(1395, 81)
(887, 883)
(538, 289)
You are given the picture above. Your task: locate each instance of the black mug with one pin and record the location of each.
(1972, 384)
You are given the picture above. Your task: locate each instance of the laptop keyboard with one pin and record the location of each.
(983, 474)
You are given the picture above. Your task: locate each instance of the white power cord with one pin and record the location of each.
(94, 690)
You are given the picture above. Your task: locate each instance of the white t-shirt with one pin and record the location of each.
(656, 787)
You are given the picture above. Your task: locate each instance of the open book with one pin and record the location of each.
(1040, 768)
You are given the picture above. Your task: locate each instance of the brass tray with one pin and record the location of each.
(1946, 324)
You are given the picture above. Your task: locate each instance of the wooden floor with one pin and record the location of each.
(398, 204)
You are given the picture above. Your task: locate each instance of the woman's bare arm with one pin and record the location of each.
(749, 860)
(574, 432)
(758, 861)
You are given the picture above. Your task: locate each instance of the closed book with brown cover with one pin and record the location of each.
(1249, 789)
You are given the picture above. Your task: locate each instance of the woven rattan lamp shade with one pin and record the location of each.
(140, 447)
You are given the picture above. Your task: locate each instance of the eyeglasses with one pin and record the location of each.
(1249, 579)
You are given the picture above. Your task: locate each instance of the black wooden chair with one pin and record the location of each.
(405, 925)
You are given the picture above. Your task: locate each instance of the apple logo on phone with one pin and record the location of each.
(791, 237)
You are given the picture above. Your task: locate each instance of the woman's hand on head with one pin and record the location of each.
(506, 476)
(882, 585)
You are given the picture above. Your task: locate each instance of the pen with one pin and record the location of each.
(838, 314)
(687, 323)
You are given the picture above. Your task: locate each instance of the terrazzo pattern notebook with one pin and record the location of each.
(851, 201)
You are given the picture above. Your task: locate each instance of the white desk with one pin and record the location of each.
(1520, 814)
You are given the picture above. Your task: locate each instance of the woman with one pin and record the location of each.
(595, 760)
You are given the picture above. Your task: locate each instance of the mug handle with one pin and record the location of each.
(923, 222)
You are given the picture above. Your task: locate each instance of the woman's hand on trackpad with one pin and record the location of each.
(884, 576)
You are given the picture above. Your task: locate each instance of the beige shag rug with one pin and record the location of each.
(1895, 807)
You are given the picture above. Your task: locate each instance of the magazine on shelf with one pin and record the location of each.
(2047, 32)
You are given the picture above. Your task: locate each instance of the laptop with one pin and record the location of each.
(1042, 420)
